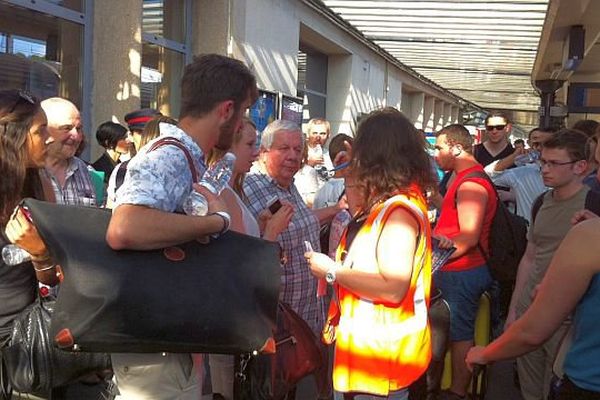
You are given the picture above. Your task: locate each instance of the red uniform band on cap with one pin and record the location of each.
(138, 120)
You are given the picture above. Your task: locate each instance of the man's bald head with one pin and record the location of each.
(58, 106)
(64, 125)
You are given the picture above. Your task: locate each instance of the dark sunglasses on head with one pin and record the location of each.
(495, 127)
(23, 96)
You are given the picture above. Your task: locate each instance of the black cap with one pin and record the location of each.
(136, 120)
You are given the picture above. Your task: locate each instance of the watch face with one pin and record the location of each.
(330, 277)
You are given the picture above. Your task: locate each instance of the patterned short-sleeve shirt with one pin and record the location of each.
(161, 179)
(299, 286)
(78, 189)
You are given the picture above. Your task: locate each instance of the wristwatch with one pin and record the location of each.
(330, 276)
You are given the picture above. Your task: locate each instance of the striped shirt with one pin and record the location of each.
(526, 183)
(299, 287)
(78, 188)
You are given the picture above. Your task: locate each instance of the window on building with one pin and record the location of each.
(75, 5)
(161, 74)
(164, 52)
(40, 53)
(312, 82)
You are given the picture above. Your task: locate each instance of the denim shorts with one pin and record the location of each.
(462, 290)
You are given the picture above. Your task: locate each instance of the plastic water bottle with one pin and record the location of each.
(528, 158)
(215, 179)
(315, 152)
(14, 255)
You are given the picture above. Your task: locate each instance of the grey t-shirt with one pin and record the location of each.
(551, 225)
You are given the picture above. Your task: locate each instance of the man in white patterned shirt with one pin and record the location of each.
(69, 175)
(216, 91)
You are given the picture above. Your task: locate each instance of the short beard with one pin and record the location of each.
(226, 132)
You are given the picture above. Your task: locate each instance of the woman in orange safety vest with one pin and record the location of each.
(381, 275)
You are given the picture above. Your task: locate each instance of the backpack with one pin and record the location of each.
(592, 203)
(507, 241)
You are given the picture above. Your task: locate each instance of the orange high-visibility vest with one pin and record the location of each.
(383, 347)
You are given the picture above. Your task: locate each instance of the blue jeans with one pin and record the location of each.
(401, 394)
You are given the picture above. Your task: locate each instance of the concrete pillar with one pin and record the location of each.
(116, 64)
(412, 107)
(428, 114)
(210, 26)
(339, 97)
(447, 117)
(438, 111)
(454, 113)
(394, 93)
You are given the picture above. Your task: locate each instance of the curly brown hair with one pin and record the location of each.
(17, 110)
(389, 155)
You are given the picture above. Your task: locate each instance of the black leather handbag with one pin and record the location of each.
(33, 364)
(219, 297)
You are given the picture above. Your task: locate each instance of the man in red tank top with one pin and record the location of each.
(467, 212)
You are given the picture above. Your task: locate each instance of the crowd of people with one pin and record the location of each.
(354, 227)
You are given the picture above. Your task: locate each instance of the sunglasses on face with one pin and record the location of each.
(495, 127)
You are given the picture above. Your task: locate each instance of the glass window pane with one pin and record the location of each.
(312, 70)
(76, 5)
(164, 18)
(314, 106)
(161, 74)
(40, 53)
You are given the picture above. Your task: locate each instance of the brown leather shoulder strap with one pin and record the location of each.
(171, 141)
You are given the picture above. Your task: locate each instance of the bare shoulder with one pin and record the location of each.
(402, 217)
(580, 242)
(586, 233)
(472, 189)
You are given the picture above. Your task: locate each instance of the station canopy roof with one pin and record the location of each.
(482, 51)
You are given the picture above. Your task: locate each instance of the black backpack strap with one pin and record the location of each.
(537, 204)
(121, 174)
(592, 202)
(476, 174)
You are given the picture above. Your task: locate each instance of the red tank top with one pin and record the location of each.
(449, 226)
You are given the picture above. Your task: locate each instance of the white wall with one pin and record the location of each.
(267, 34)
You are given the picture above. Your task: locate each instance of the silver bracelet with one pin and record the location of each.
(44, 269)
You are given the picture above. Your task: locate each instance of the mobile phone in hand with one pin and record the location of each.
(274, 205)
(307, 246)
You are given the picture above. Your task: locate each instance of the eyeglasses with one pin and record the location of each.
(23, 96)
(495, 127)
(552, 164)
